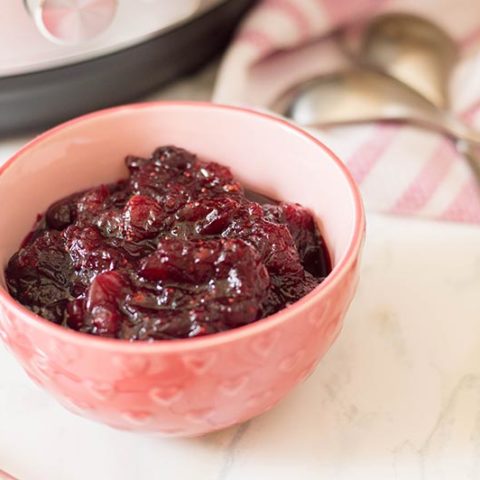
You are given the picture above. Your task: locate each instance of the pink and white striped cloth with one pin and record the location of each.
(400, 169)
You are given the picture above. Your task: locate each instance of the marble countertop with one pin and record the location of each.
(397, 396)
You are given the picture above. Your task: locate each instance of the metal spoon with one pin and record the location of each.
(418, 53)
(413, 50)
(364, 95)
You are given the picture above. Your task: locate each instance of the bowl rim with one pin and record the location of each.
(186, 344)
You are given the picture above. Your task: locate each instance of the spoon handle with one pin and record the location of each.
(459, 130)
(471, 152)
(445, 123)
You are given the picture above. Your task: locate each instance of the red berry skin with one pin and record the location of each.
(103, 316)
(143, 218)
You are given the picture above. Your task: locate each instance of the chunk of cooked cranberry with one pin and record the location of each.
(119, 195)
(54, 311)
(150, 180)
(178, 260)
(81, 242)
(90, 253)
(219, 215)
(286, 290)
(134, 163)
(106, 289)
(302, 226)
(169, 170)
(45, 256)
(103, 316)
(162, 324)
(92, 202)
(110, 223)
(274, 212)
(143, 218)
(173, 157)
(40, 273)
(206, 217)
(134, 251)
(213, 178)
(75, 314)
(273, 241)
(62, 213)
(174, 199)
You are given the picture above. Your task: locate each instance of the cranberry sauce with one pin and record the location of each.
(177, 250)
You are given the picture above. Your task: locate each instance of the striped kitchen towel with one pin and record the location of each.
(401, 169)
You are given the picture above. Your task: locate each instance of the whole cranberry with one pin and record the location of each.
(103, 315)
(142, 218)
(173, 157)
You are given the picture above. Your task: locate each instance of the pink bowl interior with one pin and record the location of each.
(268, 156)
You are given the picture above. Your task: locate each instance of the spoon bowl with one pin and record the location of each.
(412, 50)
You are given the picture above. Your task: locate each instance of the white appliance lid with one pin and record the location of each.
(24, 49)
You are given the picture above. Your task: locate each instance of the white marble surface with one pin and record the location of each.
(397, 397)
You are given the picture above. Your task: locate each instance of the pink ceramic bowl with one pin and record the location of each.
(181, 387)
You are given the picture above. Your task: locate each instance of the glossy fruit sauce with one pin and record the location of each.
(178, 249)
